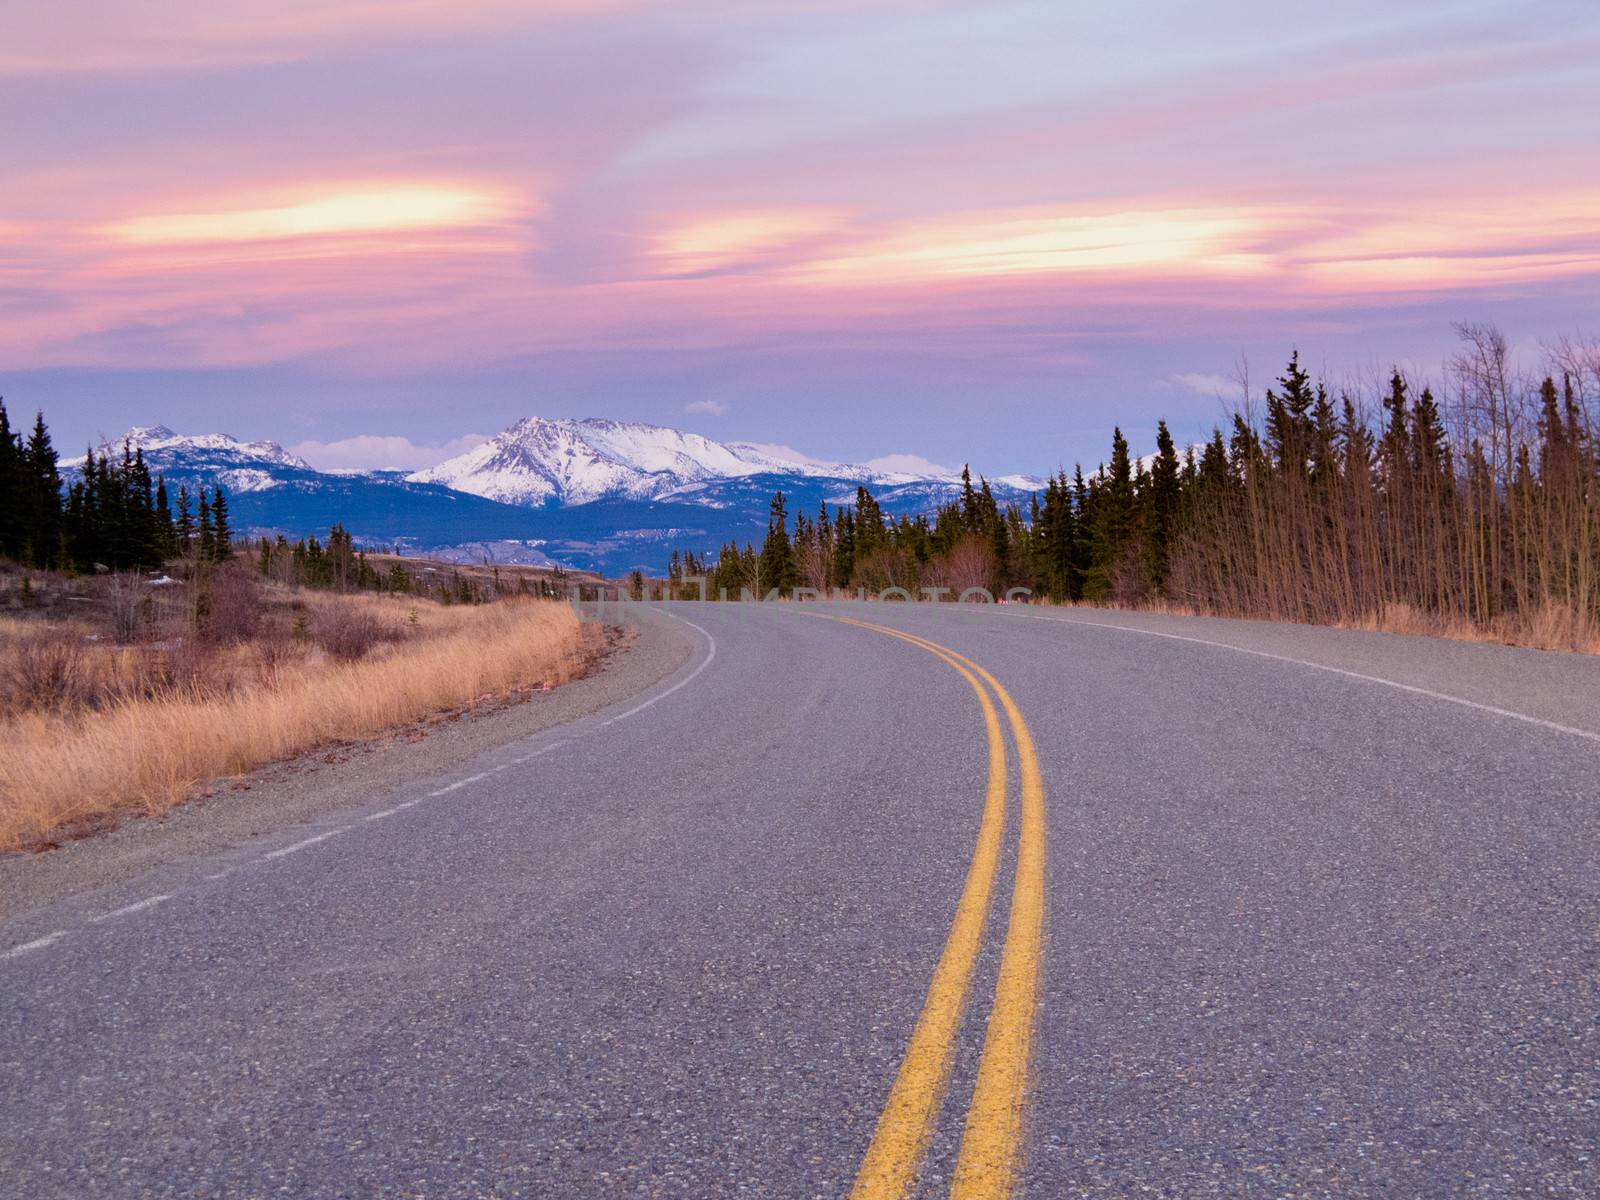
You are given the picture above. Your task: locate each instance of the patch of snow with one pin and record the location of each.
(160, 443)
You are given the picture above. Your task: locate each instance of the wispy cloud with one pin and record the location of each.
(328, 211)
(1202, 384)
(730, 241)
(909, 464)
(795, 199)
(374, 452)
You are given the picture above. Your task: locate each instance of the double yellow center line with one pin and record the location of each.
(987, 1163)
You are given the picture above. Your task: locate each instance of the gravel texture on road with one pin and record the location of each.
(1322, 919)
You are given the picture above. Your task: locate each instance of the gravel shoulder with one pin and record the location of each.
(639, 651)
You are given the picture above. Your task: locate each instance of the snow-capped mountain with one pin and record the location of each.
(599, 495)
(214, 457)
(544, 462)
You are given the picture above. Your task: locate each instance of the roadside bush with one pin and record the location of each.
(129, 606)
(43, 674)
(228, 605)
(349, 634)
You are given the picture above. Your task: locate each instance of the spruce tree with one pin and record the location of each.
(183, 527)
(970, 513)
(12, 489)
(870, 533)
(166, 535)
(1083, 540)
(1289, 419)
(42, 497)
(844, 547)
(825, 545)
(1113, 526)
(206, 541)
(1162, 512)
(221, 531)
(144, 536)
(777, 555)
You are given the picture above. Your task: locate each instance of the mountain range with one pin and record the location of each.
(589, 493)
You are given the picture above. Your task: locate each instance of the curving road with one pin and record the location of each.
(904, 899)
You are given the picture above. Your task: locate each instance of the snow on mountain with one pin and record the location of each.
(154, 438)
(540, 461)
(597, 495)
(237, 466)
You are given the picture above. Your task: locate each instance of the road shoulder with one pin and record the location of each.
(644, 649)
(1548, 686)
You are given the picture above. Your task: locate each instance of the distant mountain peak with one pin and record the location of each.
(152, 438)
(215, 457)
(577, 460)
(590, 492)
(141, 435)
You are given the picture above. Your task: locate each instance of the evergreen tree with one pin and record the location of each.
(41, 501)
(1289, 419)
(206, 539)
(870, 532)
(166, 534)
(183, 527)
(844, 547)
(777, 555)
(970, 513)
(1113, 529)
(221, 531)
(1162, 512)
(12, 489)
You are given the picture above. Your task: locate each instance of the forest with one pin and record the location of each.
(1468, 505)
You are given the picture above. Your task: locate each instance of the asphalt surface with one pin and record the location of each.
(1322, 917)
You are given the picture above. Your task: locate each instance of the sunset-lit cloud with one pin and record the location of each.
(750, 211)
(739, 240)
(110, 35)
(1216, 240)
(396, 207)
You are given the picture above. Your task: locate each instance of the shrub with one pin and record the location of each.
(44, 674)
(349, 634)
(228, 605)
(129, 606)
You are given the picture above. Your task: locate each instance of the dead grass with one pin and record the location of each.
(138, 729)
(1551, 628)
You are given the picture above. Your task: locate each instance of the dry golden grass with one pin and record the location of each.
(1551, 628)
(262, 703)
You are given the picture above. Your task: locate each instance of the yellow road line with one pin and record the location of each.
(901, 1139)
(987, 1164)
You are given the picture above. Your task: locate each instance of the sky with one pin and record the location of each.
(980, 232)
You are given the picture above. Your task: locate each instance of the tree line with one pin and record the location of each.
(116, 514)
(1477, 502)
(338, 564)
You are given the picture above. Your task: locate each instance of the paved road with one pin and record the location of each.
(1310, 912)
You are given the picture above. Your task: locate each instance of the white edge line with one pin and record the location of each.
(711, 653)
(301, 845)
(1555, 726)
(37, 944)
(127, 909)
(151, 901)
